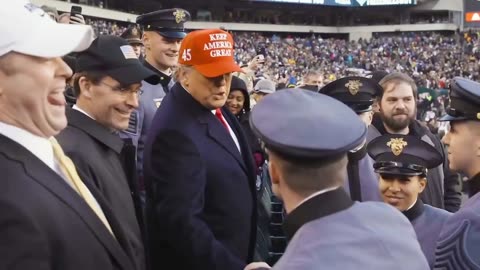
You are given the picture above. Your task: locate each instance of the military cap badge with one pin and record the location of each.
(353, 86)
(179, 15)
(397, 145)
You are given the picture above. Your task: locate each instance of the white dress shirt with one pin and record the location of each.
(75, 107)
(232, 134)
(230, 130)
(37, 145)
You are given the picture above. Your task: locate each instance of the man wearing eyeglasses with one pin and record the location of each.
(107, 87)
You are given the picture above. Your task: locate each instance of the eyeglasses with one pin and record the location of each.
(124, 90)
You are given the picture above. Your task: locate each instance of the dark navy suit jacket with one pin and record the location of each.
(201, 209)
(45, 224)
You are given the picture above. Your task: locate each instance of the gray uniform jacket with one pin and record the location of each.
(142, 118)
(443, 189)
(330, 231)
(427, 222)
(458, 246)
(362, 181)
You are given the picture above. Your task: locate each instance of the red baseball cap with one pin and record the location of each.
(209, 51)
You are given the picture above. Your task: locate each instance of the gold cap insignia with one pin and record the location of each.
(179, 15)
(353, 86)
(397, 145)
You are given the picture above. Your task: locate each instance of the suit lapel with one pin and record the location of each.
(51, 181)
(242, 140)
(217, 132)
(215, 129)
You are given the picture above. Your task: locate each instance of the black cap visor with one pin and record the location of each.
(397, 168)
(457, 115)
(134, 41)
(172, 34)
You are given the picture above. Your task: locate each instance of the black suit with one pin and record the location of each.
(96, 153)
(200, 190)
(45, 224)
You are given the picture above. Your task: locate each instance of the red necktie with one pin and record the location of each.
(218, 114)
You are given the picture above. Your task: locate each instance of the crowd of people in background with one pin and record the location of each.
(432, 59)
(159, 147)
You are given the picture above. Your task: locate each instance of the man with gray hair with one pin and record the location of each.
(313, 81)
(51, 218)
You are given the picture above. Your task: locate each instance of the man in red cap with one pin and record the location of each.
(199, 172)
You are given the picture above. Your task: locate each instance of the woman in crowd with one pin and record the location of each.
(238, 103)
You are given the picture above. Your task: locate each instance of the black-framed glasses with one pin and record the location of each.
(124, 90)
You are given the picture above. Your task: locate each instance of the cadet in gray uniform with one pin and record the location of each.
(458, 247)
(402, 162)
(308, 158)
(163, 33)
(358, 93)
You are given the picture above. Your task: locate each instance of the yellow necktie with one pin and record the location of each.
(68, 169)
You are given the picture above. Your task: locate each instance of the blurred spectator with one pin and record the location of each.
(133, 35)
(262, 88)
(313, 81)
(51, 11)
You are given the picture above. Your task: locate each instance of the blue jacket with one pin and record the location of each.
(201, 206)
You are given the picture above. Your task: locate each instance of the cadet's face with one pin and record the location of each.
(235, 101)
(137, 48)
(397, 106)
(401, 191)
(110, 105)
(31, 93)
(462, 142)
(212, 93)
(163, 51)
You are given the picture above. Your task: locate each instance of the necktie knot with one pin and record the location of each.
(57, 149)
(218, 114)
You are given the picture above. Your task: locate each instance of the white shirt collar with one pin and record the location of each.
(37, 145)
(412, 205)
(75, 107)
(315, 194)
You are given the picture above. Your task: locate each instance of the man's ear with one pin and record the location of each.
(146, 39)
(274, 172)
(85, 88)
(275, 176)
